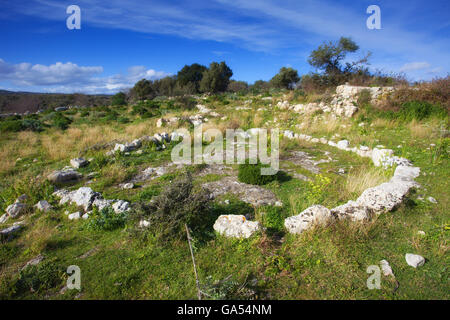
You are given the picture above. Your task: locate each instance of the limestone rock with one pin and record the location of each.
(379, 156)
(414, 260)
(8, 232)
(64, 176)
(43, 205)
(34, 261)
(236, 226)
(78, 163)
(3, 218)
(316, 214)
(386, 268)
(84, 197)
(74, 216)
(343, 144)
(121, 206)
(102, 203)
(352, 210)
(16, 209)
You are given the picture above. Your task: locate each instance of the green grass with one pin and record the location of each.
(323, 263)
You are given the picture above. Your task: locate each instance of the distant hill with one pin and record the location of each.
(21, 102)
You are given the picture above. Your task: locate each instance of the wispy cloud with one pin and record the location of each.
(413, 66)
(285, 28)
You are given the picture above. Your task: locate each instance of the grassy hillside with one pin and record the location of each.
(322, 263)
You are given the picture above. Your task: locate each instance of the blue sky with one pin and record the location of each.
(121, 42)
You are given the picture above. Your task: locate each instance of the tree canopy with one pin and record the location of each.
(216, 78)
(328, 56)
(191, 75)
(285, 78)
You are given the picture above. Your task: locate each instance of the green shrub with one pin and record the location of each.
(415, 110)
(43, 276)
(111, 116)
(11, 126)
(123, 120)
(251, 174)
(84, 113)
(119, 99)
(228, 288)
(273, 219)
(106, 219)
(61, 121)
(32, 124)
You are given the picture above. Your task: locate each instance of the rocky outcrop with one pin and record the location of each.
(43, 206)
(316, 214)
(64, 176)
(16, 209)
(343, 102)
(382, 198)
(236, 226)
(79, 163)
(252, 194)
(86, 198)
(352, 210)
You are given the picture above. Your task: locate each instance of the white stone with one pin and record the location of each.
(432, 200)
(236, 226)
(63, 176)
(343, 144)
(160, 122)
(84, 197)
(74, 216)
(380, 156)
(203, 109)
(288, 134)
(144, 223)
(386, 268)
(102, 203)
(414, 260)
(121, 206)
(78, 162)
(316, 214)
(16, 209)
(3, 218)
(352, 210)
(10, 231)
(128, 186)
(43, 205)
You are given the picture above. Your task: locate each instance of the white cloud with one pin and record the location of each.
(26, 74)
(414, 66)
(69, 77)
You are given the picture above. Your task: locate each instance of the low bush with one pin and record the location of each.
(11, 126)
(60, 121)
(106, 219)
(273, 219)
(251, 174)
(416, 110)
(177, 205)
(41, 277)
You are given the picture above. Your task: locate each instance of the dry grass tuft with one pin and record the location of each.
(363, 178)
